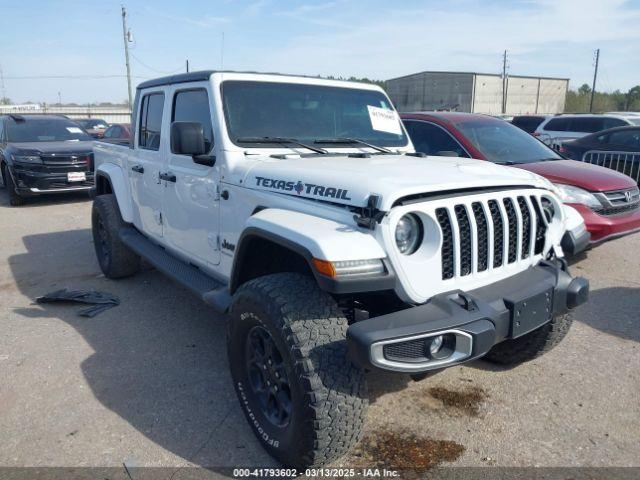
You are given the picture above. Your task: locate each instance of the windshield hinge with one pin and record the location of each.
(370, 214)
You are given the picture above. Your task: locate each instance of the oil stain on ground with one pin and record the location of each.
(466, 401)
(387, 449)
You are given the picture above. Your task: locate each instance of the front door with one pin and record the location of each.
(145, 165)
(191, 202)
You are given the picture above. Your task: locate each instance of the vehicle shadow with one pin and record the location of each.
(48, 199)
(159, 358)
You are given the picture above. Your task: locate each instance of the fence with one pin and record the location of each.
(623, 162)
(110, 114)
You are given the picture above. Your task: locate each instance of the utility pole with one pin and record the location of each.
(595, 76)
(187, 64)
(125, 37)
(504, 82)
(59, 99)
(2, 88)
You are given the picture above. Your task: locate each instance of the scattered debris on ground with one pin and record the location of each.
(387, 449)
(101, 301)
(467, 401)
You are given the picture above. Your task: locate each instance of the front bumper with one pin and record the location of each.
(603, 228)
(44, 180)
(472, 322)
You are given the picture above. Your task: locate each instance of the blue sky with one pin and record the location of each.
(375, 38)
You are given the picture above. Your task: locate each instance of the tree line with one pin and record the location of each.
(578, 100)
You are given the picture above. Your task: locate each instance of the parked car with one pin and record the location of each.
(529, 123)
(93, 126)
(118, 132)
(43, 154)
(608, 201)
(616, 148)
(560, 128)
(333, 255)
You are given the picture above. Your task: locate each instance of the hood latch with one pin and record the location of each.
(370, 214)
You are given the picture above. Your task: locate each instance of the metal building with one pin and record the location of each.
(477, 92)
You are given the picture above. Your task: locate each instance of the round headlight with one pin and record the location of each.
(408, 234)
(548, 209)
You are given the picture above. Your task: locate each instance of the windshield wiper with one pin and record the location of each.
(280, 140)
(352, 141)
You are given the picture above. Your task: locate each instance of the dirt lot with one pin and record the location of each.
(147, 383)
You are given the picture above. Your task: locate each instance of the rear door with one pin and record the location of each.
(145, 165)
(191, 202)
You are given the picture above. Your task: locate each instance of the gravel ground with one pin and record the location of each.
(147, 383)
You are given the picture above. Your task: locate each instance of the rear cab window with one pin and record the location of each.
(151, 109)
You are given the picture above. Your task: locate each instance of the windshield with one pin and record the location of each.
(501, 142)
(44, 130)
(308, 113)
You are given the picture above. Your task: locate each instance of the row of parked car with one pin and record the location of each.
(46, 154)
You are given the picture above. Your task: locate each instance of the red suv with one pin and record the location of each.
(608, 201)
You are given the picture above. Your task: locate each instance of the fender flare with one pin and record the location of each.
(322, 239)
(117, 180)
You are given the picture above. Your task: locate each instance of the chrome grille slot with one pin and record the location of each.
(526, 227)
(448, 264)
(466, 250)
(498, 232)
(512, 218)
(483, 236)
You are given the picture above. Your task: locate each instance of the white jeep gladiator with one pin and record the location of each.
(298, 206)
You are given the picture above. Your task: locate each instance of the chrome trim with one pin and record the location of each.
(55, 190)
(464, 347)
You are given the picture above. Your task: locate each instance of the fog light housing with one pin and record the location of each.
(441, 346)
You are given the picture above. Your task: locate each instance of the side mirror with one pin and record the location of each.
(187, 138)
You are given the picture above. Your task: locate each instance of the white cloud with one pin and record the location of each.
(461, 35)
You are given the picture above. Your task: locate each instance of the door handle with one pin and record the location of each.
(168, 176)
(138, 168)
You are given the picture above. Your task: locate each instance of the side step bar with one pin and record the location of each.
(212, 291)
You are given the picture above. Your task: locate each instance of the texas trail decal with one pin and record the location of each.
(300, 188)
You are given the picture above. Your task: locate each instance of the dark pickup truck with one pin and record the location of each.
(41, 154)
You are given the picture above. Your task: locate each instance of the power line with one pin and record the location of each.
(154, 69)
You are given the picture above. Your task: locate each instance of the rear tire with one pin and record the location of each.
(15, 200)
(531, 345)
(115, 258)
(305, 401)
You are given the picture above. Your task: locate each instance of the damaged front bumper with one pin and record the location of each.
(465, 325)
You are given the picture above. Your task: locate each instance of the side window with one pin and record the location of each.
(1, 130)
(557, 125)
(587, 124)
(432, 139)
(193, 106)
(151, 121)
(108, 133)
(614, 122)
(627, 138)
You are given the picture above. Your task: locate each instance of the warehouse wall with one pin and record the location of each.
(432, 91)
(488, 94)
(553, 95)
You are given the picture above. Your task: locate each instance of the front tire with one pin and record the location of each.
(533, 344)
(303, 398)
(15, 200)
(115, 258)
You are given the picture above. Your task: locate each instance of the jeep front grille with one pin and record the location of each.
(490, 234)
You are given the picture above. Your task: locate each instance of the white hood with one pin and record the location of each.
(350, 181)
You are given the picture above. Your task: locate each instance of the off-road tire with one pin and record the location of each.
(15, 200)
(531, 345)
(115, 258)
(328, 392)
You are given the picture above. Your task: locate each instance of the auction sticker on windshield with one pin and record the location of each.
(384, 120)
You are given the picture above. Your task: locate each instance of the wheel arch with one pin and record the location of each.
(109, 179)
